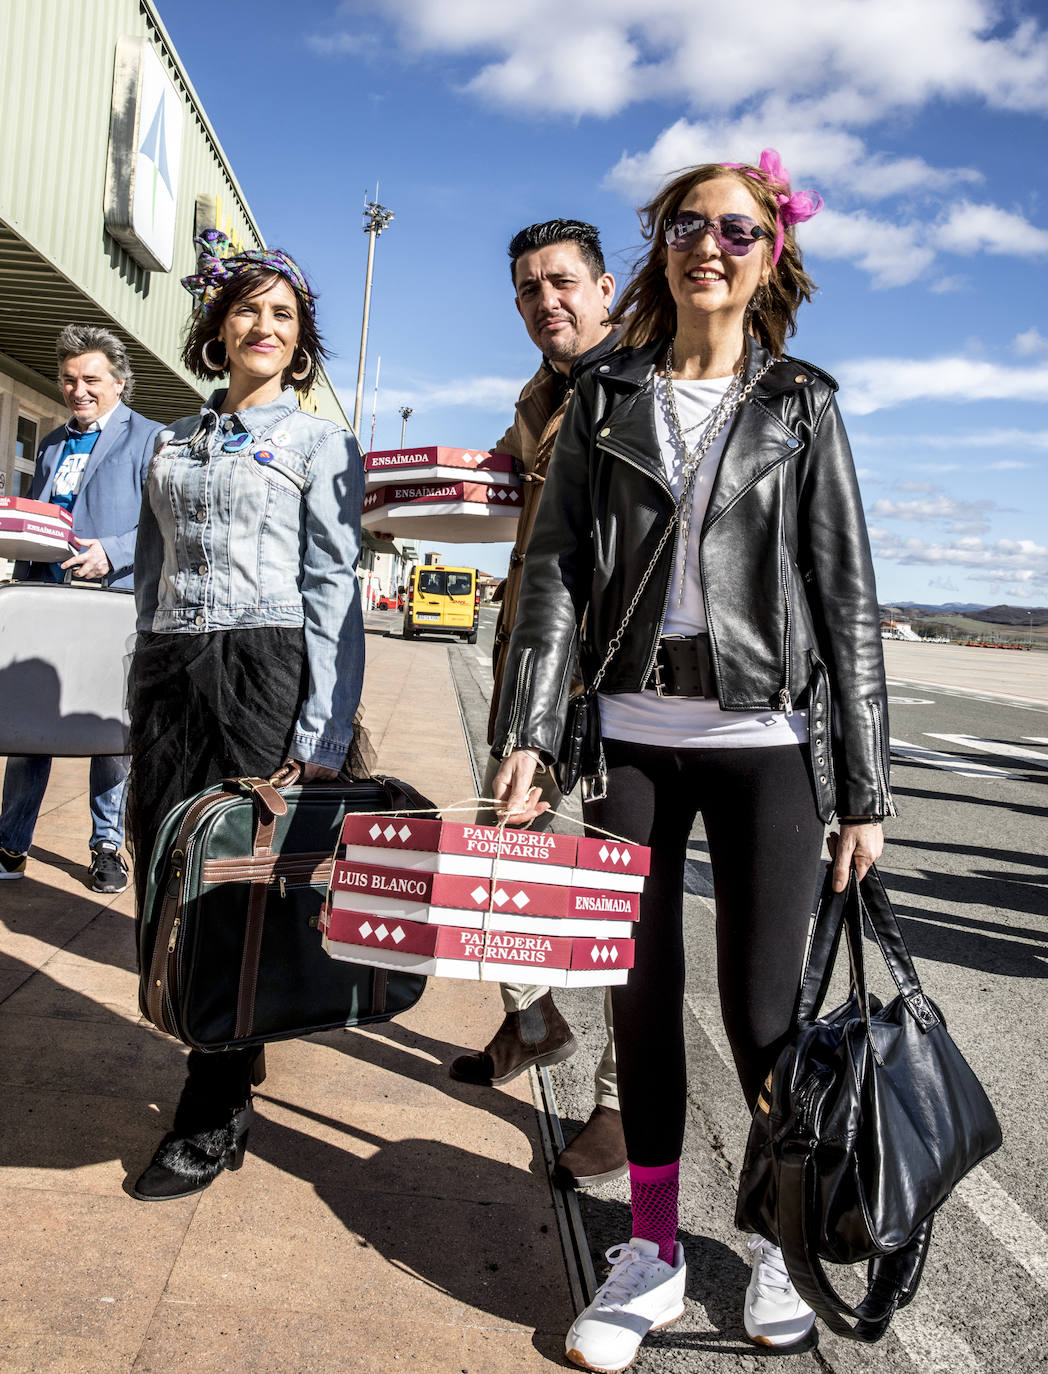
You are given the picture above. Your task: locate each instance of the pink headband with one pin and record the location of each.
(794, 207)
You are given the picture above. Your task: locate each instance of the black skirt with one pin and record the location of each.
(205, 707)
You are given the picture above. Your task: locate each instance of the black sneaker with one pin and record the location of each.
(108, 870)
(11, 865)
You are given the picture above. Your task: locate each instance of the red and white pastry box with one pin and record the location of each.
(36, 530)
(436, 465)
(473, 901)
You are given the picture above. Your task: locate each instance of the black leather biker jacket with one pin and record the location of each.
(784, 559)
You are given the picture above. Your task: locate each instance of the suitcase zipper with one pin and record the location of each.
(159, 1002)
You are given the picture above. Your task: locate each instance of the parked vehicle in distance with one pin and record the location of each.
(443, 601)
(390, 601)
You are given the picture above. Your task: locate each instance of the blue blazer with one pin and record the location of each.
(110, 496)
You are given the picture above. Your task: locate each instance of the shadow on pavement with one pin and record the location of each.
(81, 1094)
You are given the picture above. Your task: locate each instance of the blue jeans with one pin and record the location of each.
(25, 782)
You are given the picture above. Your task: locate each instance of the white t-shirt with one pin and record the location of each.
(690, 722)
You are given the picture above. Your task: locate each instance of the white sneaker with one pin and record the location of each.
(641, 1294)
(775, 1313)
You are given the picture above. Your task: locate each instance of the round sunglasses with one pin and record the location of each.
(733, 234)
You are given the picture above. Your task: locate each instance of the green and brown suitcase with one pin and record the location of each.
(229, 950)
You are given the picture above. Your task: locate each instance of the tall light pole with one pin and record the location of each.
(376, 218)
(405, 411)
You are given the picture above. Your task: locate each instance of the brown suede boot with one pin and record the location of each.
(596, 1155)
(537, 1036)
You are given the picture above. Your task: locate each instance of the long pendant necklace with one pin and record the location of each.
(721, 414)
(692, 460)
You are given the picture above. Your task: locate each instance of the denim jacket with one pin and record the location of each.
(253, 519)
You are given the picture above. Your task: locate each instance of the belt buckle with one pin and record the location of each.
(662, 689)
(657, 674)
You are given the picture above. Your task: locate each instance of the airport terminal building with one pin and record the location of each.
(109, 168)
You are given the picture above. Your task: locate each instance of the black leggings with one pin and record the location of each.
(765, 841)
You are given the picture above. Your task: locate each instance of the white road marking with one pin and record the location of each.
(988, 746)
(910, 701)
(1010, 1226)
(950, 763)
(972, 693)
(1036, 739)
(932, 1344)
(713, 1026)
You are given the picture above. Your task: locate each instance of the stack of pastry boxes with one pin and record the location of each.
(36, 530)
(458, 494)
(473, 901)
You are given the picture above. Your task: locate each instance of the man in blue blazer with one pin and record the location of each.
(94, 466)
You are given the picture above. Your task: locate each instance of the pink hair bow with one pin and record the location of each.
(794, 207)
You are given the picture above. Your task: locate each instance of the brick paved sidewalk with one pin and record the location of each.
(385, 1218)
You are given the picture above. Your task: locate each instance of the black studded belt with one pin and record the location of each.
(683, 667)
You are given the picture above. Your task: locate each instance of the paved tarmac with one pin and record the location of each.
(1012, 672)
(385, 1218)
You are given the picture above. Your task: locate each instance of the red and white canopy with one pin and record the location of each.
(458, 512)
(440, 465)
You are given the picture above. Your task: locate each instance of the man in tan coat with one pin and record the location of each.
(563, 293)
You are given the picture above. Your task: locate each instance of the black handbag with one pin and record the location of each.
(229, 950)
(582, 749)
(866, 1124)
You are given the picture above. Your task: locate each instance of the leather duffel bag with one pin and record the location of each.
(229, 950)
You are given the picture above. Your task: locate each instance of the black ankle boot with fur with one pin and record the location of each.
(196, 1158)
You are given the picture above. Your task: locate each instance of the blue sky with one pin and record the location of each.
(922, 125)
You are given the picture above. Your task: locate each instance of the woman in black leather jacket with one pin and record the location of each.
(746, 680)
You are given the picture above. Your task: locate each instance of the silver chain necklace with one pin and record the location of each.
(719, 417)
(671, 524)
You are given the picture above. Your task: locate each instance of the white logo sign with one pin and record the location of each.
(145, 154)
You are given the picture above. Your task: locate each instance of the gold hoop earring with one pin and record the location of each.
(304, 371)
(214, 367)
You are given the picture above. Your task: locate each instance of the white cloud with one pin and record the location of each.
(1030, 343)
(869, 384)
(947, 284)
(970, 228)
(596, 57)
(1018, 439)
(893, 254)
(811, 148)
(1003, 560)
(959, 517)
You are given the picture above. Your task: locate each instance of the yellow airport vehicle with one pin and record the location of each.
(443, 601)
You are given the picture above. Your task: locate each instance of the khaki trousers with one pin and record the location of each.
(519, 996)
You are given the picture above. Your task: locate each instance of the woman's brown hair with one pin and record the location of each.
(646, 310)
(206, 322)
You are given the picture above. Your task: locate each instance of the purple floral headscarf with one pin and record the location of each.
(216, 266)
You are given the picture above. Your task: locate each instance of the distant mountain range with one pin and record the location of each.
(990, 615)
(957, 607)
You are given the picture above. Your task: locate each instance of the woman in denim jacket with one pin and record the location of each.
(250, 652)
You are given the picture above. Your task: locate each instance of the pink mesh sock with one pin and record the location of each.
(653, 1198)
